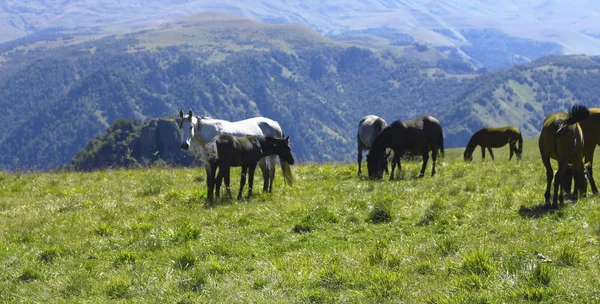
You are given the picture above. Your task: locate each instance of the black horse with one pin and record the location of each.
(416, 136)
(226, 151)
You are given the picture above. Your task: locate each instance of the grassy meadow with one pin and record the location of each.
(474, 233)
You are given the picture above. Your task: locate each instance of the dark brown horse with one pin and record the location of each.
(562, 139)
(495, 138)
(226, 151)
(591, 137)
(417, 136)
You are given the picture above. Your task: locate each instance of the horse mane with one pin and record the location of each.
(471, 145)
(381, 142)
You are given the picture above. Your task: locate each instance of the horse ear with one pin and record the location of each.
(190, 114)
(287, 138)
(181, 113)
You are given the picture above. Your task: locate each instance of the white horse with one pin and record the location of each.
(201, 130)
(368, 128)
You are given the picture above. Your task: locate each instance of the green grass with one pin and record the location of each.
(472, 233)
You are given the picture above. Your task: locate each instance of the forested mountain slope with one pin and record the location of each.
(59, 94)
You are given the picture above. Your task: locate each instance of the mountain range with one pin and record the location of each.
(60, 92)
(487, 34)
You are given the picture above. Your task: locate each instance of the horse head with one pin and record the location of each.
(519, 154)
(282, 148)
(468, 155)
(377, 164)
(186, 125)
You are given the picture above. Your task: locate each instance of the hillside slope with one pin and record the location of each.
(59, 94)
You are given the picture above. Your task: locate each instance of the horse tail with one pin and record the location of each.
(286, 169)
(577, 113)
(288, 175)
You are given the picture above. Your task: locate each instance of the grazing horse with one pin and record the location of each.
(562, 139)
(591, 137)
(201, 130)
(368, 128)
(226, 151)
(416, 136)
(495, 138)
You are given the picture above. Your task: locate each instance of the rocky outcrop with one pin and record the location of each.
(127, 144)
(160, 139)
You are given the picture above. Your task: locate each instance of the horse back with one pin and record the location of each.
(497, 137)
(591, 127)
(257, 126)
(265, 126)
(236, 151)
(368, 128)
(560, 143)
(419, 133)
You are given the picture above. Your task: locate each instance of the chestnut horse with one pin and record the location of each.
(562, 139)
(495, 138)
(591, 137)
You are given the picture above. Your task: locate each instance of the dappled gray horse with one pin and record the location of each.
(200, 130)
(368, 128)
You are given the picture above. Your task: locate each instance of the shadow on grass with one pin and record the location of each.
(541, 210)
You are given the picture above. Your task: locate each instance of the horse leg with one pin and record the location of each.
(491, 153)
(395, 160)
(226, 177)
(425, 159)
(251, 179)
(512, 148)
(242, 181)
(549, 175)
(434, 158)
(210, 181)
(262, 163)
(558, 179)
(589, 160)
(590, 176)
(386, 168)
(272, 163)
(482, 152)
(580, 181)
(359, 155)
(567, 180)
(218, 182)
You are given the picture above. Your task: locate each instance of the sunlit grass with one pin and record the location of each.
(473, 233)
